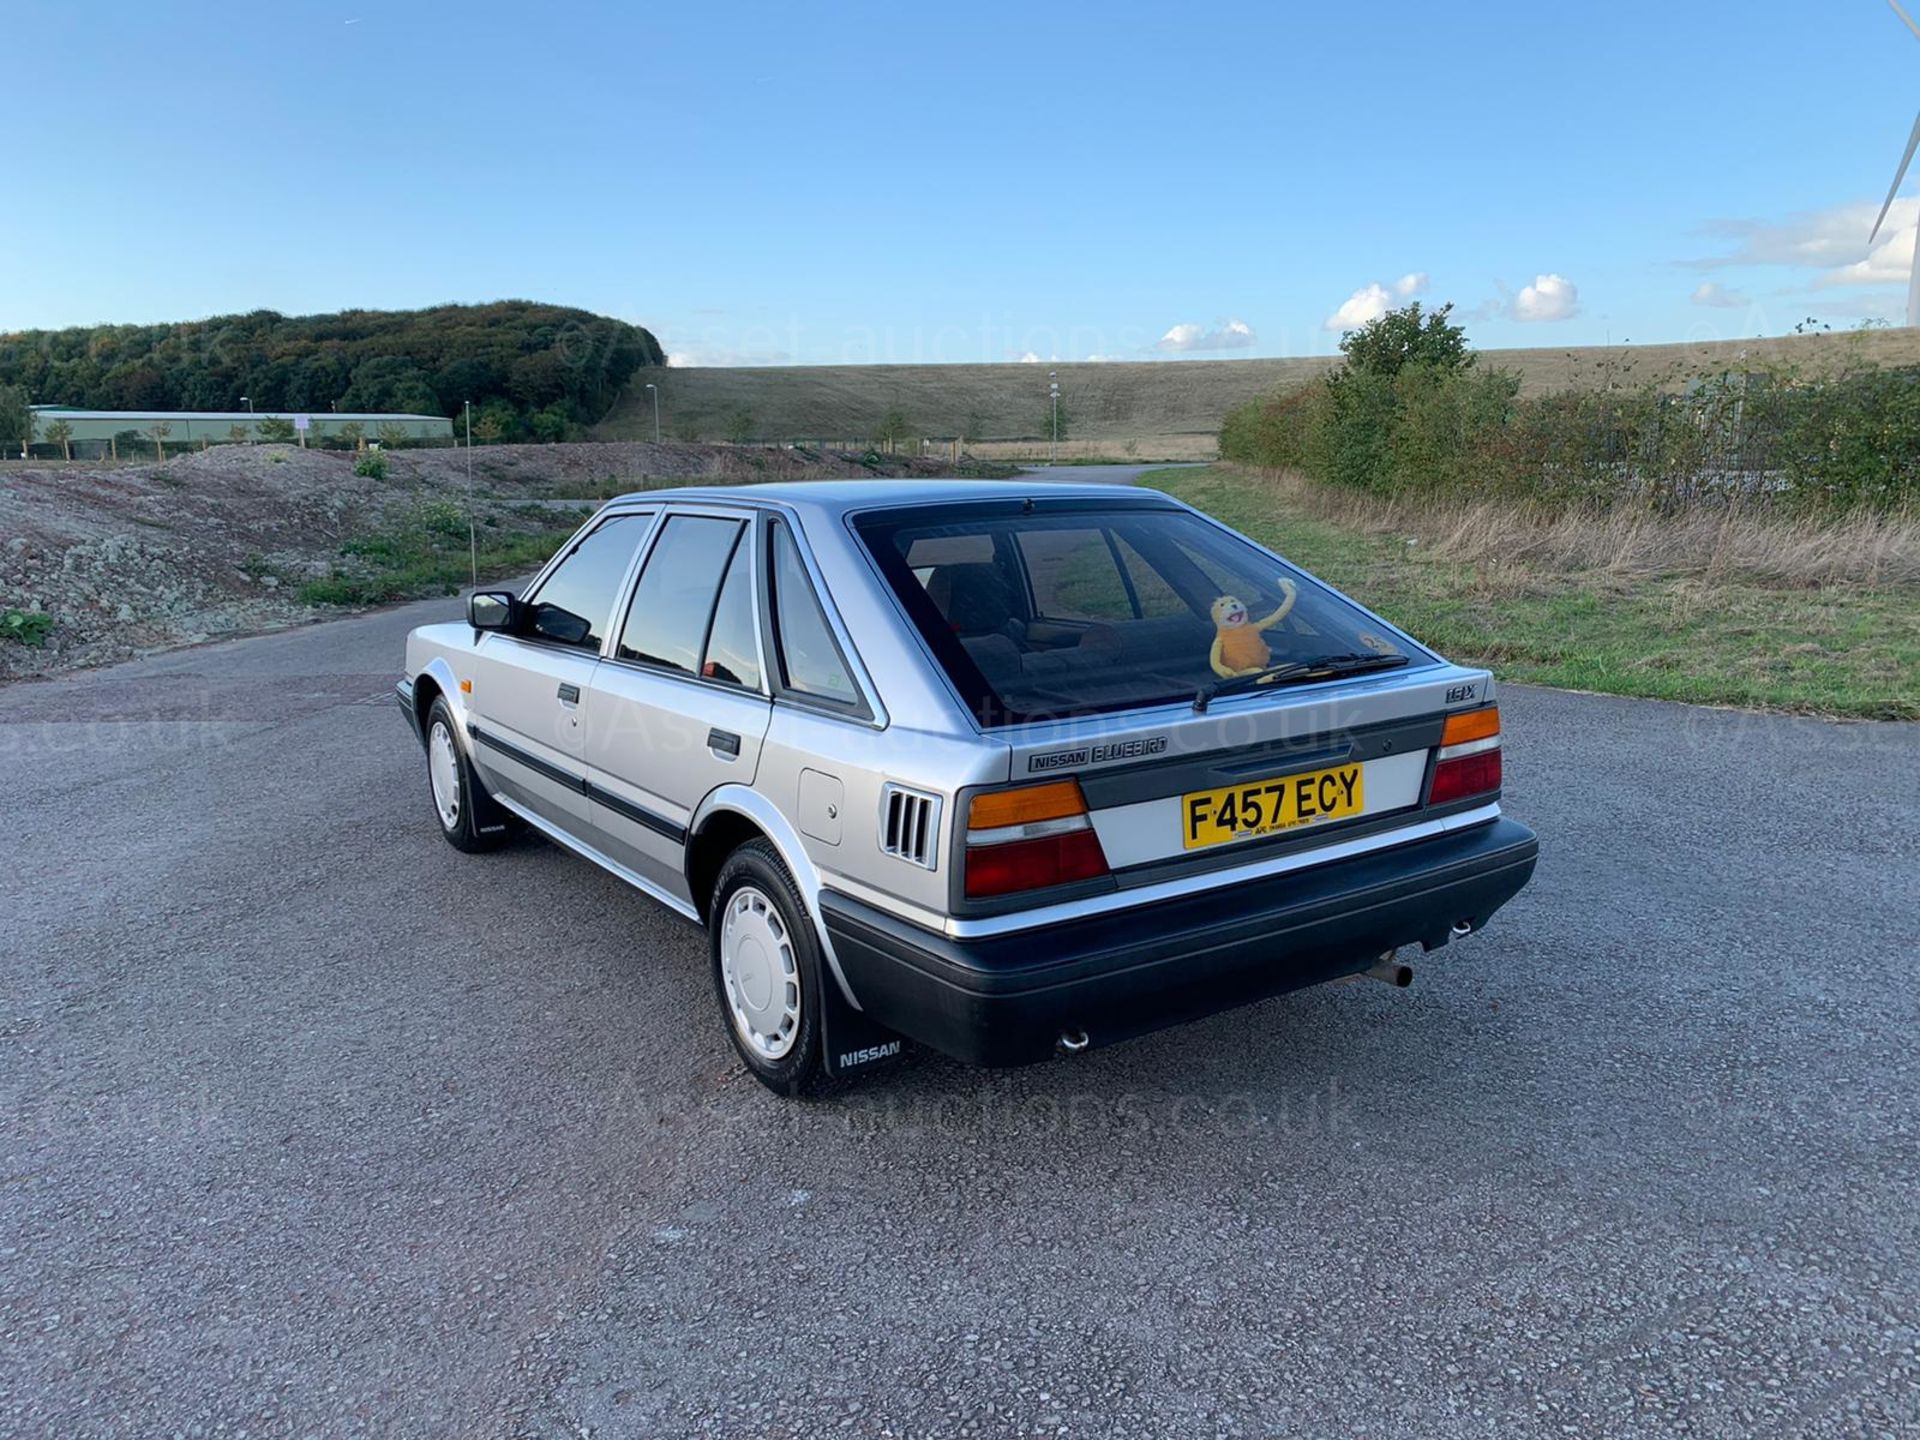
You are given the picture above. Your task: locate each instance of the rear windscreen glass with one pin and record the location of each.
(1046, 613)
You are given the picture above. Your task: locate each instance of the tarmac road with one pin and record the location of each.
(317, 1127)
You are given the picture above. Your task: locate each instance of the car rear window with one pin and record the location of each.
(1040, 612)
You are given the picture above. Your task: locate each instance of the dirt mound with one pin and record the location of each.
(129, 559)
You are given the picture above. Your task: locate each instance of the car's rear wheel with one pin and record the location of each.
(766, 969)
(469, 819)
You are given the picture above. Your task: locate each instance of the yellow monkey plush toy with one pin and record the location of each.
(1238, 648)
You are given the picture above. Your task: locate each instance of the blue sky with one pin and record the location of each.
(833, 183)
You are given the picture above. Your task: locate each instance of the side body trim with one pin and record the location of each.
(579, 784)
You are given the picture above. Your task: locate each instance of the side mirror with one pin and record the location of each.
(493, 610)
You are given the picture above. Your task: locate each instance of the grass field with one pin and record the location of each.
(1730, 609)
(1147, 402)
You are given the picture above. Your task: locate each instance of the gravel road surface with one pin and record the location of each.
(317, 1127)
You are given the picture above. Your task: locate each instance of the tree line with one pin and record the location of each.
(532, 371)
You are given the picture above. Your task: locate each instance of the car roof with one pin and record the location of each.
(837, 497)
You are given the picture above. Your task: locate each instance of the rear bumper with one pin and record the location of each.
(403, 693)
(1005, 1000)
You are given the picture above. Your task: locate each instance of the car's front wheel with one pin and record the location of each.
(469, 819)
(766, 969)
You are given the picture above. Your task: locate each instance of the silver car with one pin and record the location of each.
(1008, 772)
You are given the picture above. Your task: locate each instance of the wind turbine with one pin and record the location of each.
(1913, 143)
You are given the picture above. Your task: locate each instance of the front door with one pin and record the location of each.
(679, 705)
(527, 708)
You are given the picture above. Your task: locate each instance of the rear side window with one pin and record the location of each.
(576, 601)
(732, 656)
(810, 659)
(1074, 575)
(1042, 612)
(1150, 590)
(673, 604)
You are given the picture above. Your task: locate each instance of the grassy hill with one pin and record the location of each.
(1141, 401)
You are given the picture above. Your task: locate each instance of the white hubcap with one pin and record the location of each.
(761, 974)
(443, 768)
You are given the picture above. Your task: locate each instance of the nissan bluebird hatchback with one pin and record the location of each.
(1006, 772)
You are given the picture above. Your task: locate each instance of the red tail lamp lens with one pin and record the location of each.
(1468, 775)
(1033, 864)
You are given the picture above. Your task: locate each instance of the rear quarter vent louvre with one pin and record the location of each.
(910, 825)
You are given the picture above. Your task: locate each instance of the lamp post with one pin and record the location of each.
(247, 400)
(656, 412)
(473, 539)
(1053, 394)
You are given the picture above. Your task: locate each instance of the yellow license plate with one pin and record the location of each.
(1260, 807)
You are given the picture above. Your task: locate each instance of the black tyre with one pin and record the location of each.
(468, 816)
(766, 970)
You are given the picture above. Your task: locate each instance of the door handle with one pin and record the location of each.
(569, 694)
(723, 742)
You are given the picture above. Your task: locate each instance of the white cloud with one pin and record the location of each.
(1832, 241)
(1371, 301)
(1713, 293)
(1030, 358)
(1889, 262)
(1548, 298)
(1366, 304)
(1233, 335)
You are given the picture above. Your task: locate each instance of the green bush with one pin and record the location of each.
(1407, 415)
(1439, 426)
(371, 466)
(27, 627)
(443, 520)
(1277, 432)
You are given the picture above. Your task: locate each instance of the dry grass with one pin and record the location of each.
(1860, 549)
(1731, 608)
(1134, 450)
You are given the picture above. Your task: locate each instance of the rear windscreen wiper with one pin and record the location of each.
(1295, 671)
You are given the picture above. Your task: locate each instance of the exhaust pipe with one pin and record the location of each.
(1460, 928)
(1389, 971)
(1072, 1042)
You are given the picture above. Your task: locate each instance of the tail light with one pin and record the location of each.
(1030, 838)
(1468, 762)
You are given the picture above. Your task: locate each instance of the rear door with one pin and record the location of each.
(679, 704)
(528, 702)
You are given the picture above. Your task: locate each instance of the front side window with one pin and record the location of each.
(1039, 614)
(574, 603)
(673, 603)
(810, 660)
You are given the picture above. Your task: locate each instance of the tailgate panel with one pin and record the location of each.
(1150, 830)
(1135, 769)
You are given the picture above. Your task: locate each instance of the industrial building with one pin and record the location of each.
(96, 433)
